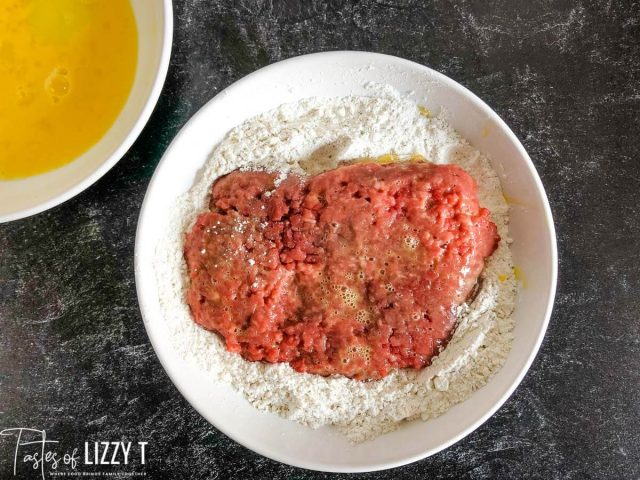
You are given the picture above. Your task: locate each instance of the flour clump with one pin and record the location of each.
(308, 137)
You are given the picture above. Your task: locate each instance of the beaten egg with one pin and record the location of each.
(66, 70)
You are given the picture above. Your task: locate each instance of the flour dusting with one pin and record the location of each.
(307, 137)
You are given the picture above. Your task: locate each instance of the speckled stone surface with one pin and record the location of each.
(565, 75)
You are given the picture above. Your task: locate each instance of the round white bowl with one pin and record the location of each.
(534, 250)
(24, 197)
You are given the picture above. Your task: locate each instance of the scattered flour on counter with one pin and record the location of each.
(296, 138)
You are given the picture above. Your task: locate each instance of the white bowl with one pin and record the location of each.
(24, 197)
(330, 75)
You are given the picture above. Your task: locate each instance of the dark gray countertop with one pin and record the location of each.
(74, 356)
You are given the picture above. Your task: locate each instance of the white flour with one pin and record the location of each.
(347, 128)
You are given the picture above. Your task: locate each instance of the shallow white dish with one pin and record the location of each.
(330, 75)
(24, 197)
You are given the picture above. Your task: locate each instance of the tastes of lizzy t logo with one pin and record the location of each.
(34, 452)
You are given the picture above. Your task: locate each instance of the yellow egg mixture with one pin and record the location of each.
(66, 70)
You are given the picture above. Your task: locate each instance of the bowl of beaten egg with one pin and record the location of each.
(78, 81)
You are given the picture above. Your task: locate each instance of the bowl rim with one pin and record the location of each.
(119, 152)
(266, 450)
